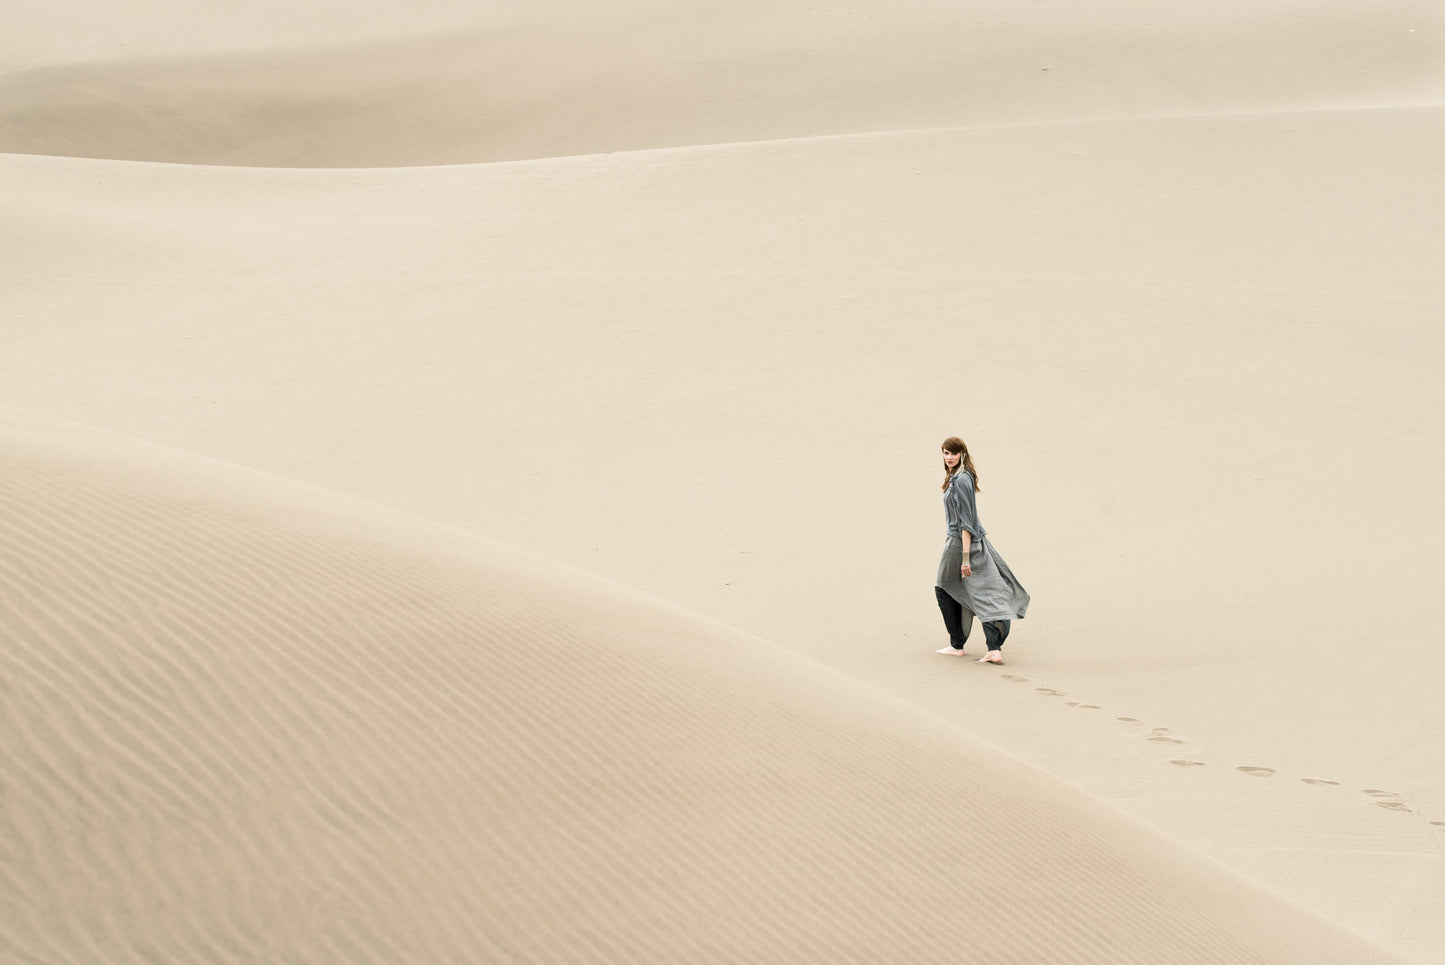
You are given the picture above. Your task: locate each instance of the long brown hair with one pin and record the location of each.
(955, 444)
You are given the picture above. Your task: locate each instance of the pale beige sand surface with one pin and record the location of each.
(459, 373)
(253, 722)
(364, 87)
(1198, 357)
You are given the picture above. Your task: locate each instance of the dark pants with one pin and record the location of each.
(958, 620)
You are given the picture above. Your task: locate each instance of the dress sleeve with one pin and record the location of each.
(962, 511)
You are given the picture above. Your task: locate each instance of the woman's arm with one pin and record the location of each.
(963, 515)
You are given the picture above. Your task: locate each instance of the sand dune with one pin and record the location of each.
(1153, 329)
(584, 79)
(252, 721)
(1180, 291)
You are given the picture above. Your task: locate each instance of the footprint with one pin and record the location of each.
(1438, 824)
(1159, 730)
(1015, 678)
(1376, 792)
(1393, 806)
(1187, 763)
(1129, 720)
(1320, 780)
(1051, 692)
(1163, 739)
(1257, 771)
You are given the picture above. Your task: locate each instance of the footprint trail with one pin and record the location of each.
(1388, 800)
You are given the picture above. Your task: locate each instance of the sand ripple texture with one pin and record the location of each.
(248, 721)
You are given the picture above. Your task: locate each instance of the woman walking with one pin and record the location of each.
(973, 580)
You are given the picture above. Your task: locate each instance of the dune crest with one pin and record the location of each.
(649, 74)
(251, 721)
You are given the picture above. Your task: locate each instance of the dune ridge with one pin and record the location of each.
(650, 74)
(253, 720)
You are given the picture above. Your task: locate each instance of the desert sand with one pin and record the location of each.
(470, 482)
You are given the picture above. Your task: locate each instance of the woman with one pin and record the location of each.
(973, 580)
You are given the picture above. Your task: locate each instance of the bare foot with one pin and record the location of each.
(950, 651)
(993, 656)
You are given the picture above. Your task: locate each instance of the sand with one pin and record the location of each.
(436, 537)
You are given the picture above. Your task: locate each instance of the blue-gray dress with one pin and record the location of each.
(992, 592)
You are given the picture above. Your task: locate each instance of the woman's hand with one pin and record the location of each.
(965, 571)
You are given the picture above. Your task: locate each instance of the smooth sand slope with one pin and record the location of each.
(1198, 356)
(652, 367)
(509, 81)
(249, 721)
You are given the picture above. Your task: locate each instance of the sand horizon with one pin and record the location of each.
(613, 344)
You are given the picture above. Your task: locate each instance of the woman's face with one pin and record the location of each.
(950, 459)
